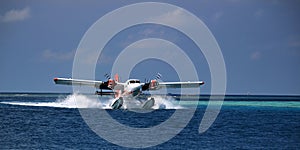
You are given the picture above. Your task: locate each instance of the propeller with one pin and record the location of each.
(147, 82)
(107, 76)
(158, 76)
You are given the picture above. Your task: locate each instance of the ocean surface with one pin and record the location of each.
(53, 121)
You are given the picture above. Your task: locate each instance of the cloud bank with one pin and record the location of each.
(15, 15)
(50, 55)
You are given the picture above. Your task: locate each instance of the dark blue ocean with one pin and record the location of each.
(52, 121)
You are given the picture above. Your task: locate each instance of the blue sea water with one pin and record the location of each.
(52, 121)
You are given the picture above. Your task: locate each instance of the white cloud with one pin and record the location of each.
(295, 44)
(147, 45)
(90, 57)
(255, 55)
(259, 13)
(51, 55)
(217, 16)
(147, 31)
(177, 17)
(16, 15)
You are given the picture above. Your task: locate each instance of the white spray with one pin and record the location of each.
(103, 102)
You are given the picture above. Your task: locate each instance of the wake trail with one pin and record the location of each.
(84, 101)
(71, 101)
(165, 103)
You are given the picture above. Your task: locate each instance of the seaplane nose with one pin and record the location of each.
(135, 90)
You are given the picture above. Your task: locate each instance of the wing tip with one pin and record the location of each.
(55, 80)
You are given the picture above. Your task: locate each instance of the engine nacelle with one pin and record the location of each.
(153, 85)
(111, 83)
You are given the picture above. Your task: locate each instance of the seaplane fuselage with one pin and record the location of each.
(132, 88)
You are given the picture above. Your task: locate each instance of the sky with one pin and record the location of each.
(259, 40)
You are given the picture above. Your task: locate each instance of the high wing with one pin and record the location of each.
(79, 82)
(189, 84)
(155, 85)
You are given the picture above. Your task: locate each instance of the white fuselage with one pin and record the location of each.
(132, 88)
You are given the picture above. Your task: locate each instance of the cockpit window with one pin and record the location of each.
(134, 81)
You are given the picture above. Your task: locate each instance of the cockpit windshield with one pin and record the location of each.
(134, 81)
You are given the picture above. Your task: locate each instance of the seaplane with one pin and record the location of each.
(127, 90)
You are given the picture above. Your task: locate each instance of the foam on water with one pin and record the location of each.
(71, 101)
(161, 102)
(88, 101)
(165, 103)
